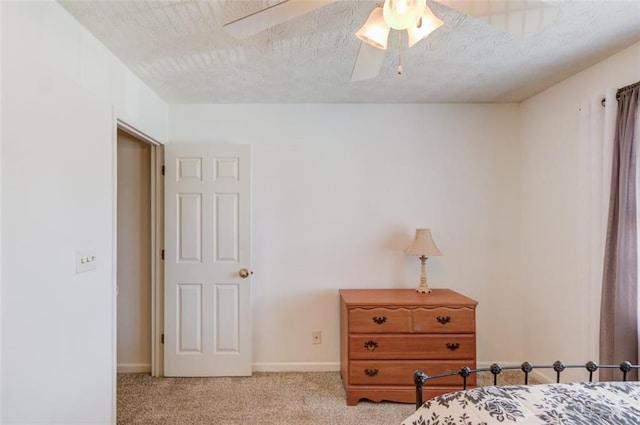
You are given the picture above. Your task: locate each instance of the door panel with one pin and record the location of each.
(207, 303)
(190, 228)
(189, 319)
(228, 327)
(226, 227)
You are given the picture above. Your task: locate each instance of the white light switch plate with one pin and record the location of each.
(86, 260)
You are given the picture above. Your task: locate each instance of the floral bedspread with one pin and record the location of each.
(604, 403)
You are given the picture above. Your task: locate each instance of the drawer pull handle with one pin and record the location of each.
(371, 345)
(371, 372)
(379, 320)
(453, 346)
(443, 320)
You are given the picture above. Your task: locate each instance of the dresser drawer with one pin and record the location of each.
(379, 320)
(400, 372)
(444, 320)
(372, 346)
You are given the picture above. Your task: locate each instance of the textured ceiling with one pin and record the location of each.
(181, 51)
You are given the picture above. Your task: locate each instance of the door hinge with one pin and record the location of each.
(162, 254)
(163, 170)
(162, 339)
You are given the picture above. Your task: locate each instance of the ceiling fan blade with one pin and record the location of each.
(271, 16)
(368, 62)
(518, 17)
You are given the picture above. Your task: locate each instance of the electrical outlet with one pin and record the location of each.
(316, 337)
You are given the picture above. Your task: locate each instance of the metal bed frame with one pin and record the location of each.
(420, 378)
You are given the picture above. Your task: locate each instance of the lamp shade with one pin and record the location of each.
(375, 31)
(425, 26)
(423, 244)
(402, 14)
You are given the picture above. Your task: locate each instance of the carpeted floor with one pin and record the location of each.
(265, 398)
(312, 398)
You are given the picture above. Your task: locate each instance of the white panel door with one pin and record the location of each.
(207, 302)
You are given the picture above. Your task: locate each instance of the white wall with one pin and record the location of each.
(60, 88)
(561, 203)
(337, 193)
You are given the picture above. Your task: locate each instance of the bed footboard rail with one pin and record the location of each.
(420, 378)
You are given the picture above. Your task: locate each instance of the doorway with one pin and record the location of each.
(139, 242)
(134, 255)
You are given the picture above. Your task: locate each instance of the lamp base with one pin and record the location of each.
(423, 289)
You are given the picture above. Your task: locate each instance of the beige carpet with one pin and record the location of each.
(265, 398)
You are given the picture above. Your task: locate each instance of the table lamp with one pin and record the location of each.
(423, 246)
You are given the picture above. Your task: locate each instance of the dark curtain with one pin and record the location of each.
(619, 309)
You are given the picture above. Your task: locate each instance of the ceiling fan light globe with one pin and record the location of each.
(375, 31)
(402, 14)
(425, 26)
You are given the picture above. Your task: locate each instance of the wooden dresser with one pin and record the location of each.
(386, 334)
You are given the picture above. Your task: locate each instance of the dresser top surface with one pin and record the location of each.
(405, 297)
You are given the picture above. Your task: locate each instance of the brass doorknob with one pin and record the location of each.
(244, 273)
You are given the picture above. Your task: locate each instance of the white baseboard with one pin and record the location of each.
(335, 367)
(134, 368)
(297, 367)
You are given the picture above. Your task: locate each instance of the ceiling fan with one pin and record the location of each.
(519, 17)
